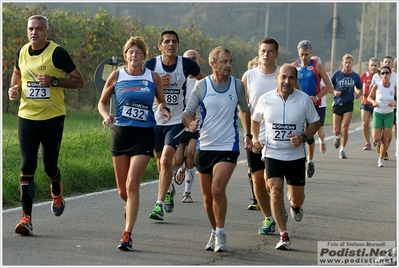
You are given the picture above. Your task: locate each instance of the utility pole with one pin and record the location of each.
(376, 31)
(361, 40)
(387, 41)
(334, 38)
(287, 28)
(267, 20)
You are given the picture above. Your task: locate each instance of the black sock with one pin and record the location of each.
(55, 184)
(27, 192)
(252, 186)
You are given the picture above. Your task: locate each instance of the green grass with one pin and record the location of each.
(85, 159)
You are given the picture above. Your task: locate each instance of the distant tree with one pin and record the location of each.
(92, 39)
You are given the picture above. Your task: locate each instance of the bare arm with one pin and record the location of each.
(104, 99)
(323, 74)
(245, 82)
(371, 97)
(16, 82)
(257, 145)
(200, 75)
(312, 129)
(160, 96)
(75, 80)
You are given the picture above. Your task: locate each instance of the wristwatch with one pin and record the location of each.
(54, 81)
(248, 135)
(304, 138)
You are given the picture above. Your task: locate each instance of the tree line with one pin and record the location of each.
(92, 39)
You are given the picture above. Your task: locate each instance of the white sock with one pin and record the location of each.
(219, 231)
(270, 218)
(342, 149)
(160, 202)
(310, 161)
(189, 179)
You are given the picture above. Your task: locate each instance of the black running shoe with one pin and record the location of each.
(58, 204)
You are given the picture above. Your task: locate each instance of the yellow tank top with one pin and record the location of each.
(40, 102)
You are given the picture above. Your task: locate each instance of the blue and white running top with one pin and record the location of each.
(134, 97)
(174, 94)
(216, 134)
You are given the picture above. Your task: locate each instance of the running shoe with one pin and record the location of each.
(126, 242)
(381, 163)
(367, 147)
(342, 155)
(377, 146)
(24, 227)
(220, 243)
(386, 157)
(58, 203)
(169, 205)
(268, 227)
(337, 142)
(211, 243)
(296, 213)
(323, 147)
(310, 169)
(157, 213)
(254, 205)
(284, 243)
(187, 198)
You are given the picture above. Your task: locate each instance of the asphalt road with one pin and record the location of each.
(346, 200)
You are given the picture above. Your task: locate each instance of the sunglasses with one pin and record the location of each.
(383, 73)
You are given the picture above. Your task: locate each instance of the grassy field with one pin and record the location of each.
(85, 159)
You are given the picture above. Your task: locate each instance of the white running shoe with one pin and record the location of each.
(284, 243)
(380, 163)
(296, 213)
(211, 243)
(220, 243)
